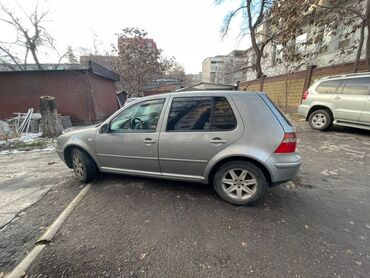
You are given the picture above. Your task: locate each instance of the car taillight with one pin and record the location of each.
(288, 145)
(305, 94)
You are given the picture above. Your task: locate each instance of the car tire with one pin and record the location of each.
(232, 188)
(320, 120)
(83, 165)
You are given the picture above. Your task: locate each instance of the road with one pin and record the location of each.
(34, 188)
(316, 226)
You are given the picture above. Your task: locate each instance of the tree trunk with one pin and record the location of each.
(50, 125)
(368, 37)
(360, 46)
(259, 72)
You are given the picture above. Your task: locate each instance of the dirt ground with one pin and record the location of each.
(316, 226)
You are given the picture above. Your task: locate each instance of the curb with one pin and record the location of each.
(21, 269)
(53, 228)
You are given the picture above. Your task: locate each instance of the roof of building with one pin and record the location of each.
(91, 67)
(161, 82)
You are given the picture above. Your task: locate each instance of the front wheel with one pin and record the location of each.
(240, 182)
(83, 165)
(320, 120)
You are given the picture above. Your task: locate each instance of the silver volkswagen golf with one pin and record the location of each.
(237, 141)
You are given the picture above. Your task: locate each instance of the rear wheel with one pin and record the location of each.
(83, 165)
(240, 182)
(320, 120)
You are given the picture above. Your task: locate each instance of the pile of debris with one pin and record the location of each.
(23, 132)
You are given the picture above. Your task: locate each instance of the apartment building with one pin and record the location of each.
(225, 69)
(334, 48)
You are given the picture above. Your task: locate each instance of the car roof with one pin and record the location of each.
(345, 76)
(200, 93)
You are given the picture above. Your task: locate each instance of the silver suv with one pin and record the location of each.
(341, 100)
(237, 141)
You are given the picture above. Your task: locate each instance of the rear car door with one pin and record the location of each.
(349, 103)
(365, 115)
(197, 128)
(131, 145)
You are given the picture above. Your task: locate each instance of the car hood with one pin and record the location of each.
(76, 135)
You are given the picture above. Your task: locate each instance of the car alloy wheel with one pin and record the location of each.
(239, 184)
(319, 120)
(78, 164)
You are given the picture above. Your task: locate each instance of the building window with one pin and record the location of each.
(212, 78)
(277, 54)
(300, 43)
(345, 37)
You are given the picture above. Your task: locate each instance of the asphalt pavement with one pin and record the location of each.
(316, 226)
(34, 188)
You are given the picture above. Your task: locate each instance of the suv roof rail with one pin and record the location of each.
(345, 75)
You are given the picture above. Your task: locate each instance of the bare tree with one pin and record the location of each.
(139, 61)
(324, 19)
(30, 35)
(176, 71)
(71, 56)
(354, 15)
(254, 13)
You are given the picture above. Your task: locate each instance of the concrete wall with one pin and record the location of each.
(84, 96)
(286, 90)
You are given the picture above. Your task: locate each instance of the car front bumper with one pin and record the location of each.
(60, 154)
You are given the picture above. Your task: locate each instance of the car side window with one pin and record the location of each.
(200, 114)
(190, 113)
(328, 87)
(356, 86)
(138, 118)
(223, 117)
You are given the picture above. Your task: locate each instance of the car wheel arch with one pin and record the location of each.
(319, 107)
(221, 162)
(68, 151)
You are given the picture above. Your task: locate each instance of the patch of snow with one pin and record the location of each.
(25, 138)
(15, 151)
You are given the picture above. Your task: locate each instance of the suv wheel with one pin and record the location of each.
(240, 182)
(320, 120)
(83, 166)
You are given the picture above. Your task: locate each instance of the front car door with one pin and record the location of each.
(131, 145)
(197, 128)
(349, 103)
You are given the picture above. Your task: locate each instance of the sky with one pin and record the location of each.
(189, 30)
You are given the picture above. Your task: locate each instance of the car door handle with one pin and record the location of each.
(149, 141)
(337, 98)
(217, 140)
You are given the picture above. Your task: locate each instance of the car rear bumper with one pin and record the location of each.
(283, 167)
(303, 110)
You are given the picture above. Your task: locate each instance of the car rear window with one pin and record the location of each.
(328, 87)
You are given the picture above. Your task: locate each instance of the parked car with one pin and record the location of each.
(237, 141)
(131, 99)
(342, 100)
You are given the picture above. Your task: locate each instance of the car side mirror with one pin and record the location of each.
(104, 128)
